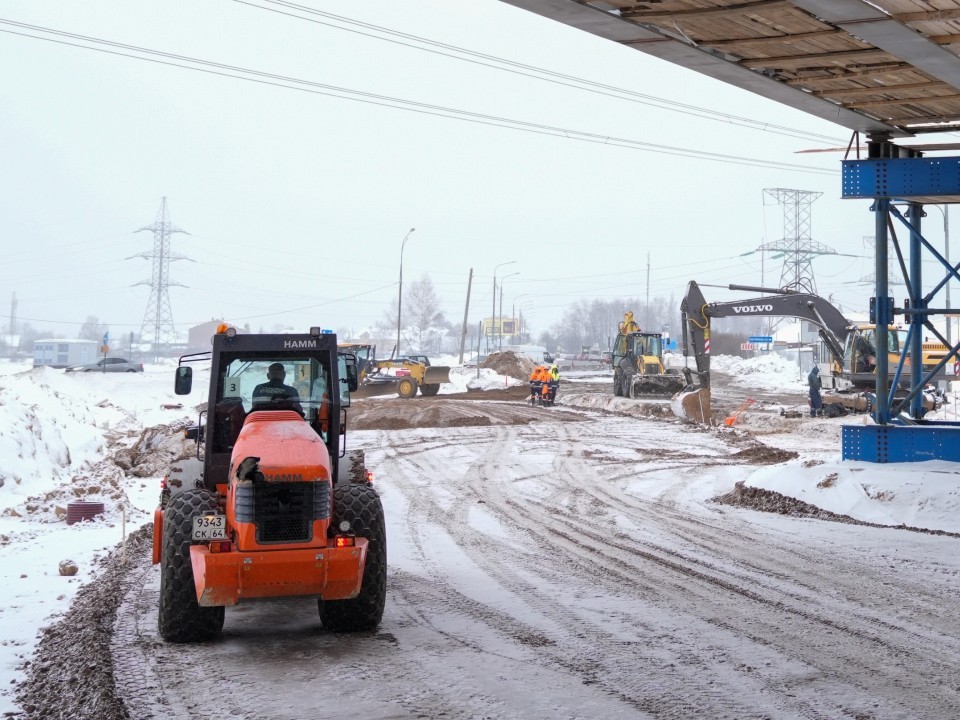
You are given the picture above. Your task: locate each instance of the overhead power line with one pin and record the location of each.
(531, 71)
(301, 85)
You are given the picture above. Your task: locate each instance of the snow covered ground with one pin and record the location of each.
(56, 430)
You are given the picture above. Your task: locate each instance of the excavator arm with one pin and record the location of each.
(696, 313)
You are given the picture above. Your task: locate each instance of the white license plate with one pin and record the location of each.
(210, 527)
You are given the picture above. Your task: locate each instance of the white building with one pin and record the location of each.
(60, 353)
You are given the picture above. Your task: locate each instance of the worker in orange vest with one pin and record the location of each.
(543, 376)
(535, 386)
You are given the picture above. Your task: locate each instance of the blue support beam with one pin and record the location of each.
(890, 179)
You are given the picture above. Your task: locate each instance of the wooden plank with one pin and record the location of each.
(918, 100)
(648, 15)
(879, 89)
(772, 40)
(838, 59)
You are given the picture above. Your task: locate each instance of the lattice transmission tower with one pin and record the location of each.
(796, 244)
(893, 270)
(157, 327)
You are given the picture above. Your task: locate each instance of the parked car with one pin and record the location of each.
(110, 364)
(606, 357)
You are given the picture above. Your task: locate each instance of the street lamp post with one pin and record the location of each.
(493, 314)
(396, 350)
(514, 314)
(946, 254)
(944, 210)
(500, 334)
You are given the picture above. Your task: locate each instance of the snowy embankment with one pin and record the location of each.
(922, 495)
(65, 437)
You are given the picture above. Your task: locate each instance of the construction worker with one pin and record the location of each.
(816, 383)
(276, 391)
(535, 385)
(553, 382)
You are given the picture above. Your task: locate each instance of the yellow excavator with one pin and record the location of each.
(402, 375)
(852, 347)
(638, 369)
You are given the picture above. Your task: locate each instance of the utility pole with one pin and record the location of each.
(13, 325)
(466, 310)
(396, 350)
(647, 320)
(158, 318)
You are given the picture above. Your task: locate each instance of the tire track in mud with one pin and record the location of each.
(869, 636)
(516, 599)
(602, 659)
(774, 556)
(873, 627)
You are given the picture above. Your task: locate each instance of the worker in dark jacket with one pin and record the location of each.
(276, 391)
(816, 401)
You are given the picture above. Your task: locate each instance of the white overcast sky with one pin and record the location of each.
(297, 202)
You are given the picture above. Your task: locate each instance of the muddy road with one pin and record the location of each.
(570, 563)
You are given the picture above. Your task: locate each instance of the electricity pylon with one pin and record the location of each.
(796, 244)
(157, 326)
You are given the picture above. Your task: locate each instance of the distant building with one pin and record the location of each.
(60, 353)
(200, 337)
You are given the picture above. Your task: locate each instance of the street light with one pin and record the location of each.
(493, 315)
(396, 350)
(513, 313)
(946, 253)
(500, 334)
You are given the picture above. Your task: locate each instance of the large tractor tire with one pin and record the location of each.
(181, 619)
(407, 387)
(617, 387)
(360, 506)
(429, 390)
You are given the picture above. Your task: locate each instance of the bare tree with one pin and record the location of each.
(425, 320)
(92, 329)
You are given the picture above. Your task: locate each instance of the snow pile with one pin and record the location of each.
(766, 372)
(50, 427)
(468, 379)
(68, 436)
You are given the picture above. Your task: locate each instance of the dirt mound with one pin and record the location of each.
(509, 363)
(760, 454)
(771, 501)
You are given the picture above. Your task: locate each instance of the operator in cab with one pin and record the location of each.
(276, 391)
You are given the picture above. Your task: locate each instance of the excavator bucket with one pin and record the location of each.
(436, 374)
(666, 385)
(693, 406)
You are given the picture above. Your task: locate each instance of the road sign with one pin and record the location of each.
(747, 346)
(760, 339)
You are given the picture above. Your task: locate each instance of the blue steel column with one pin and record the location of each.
(918, 303)
(882, 211)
